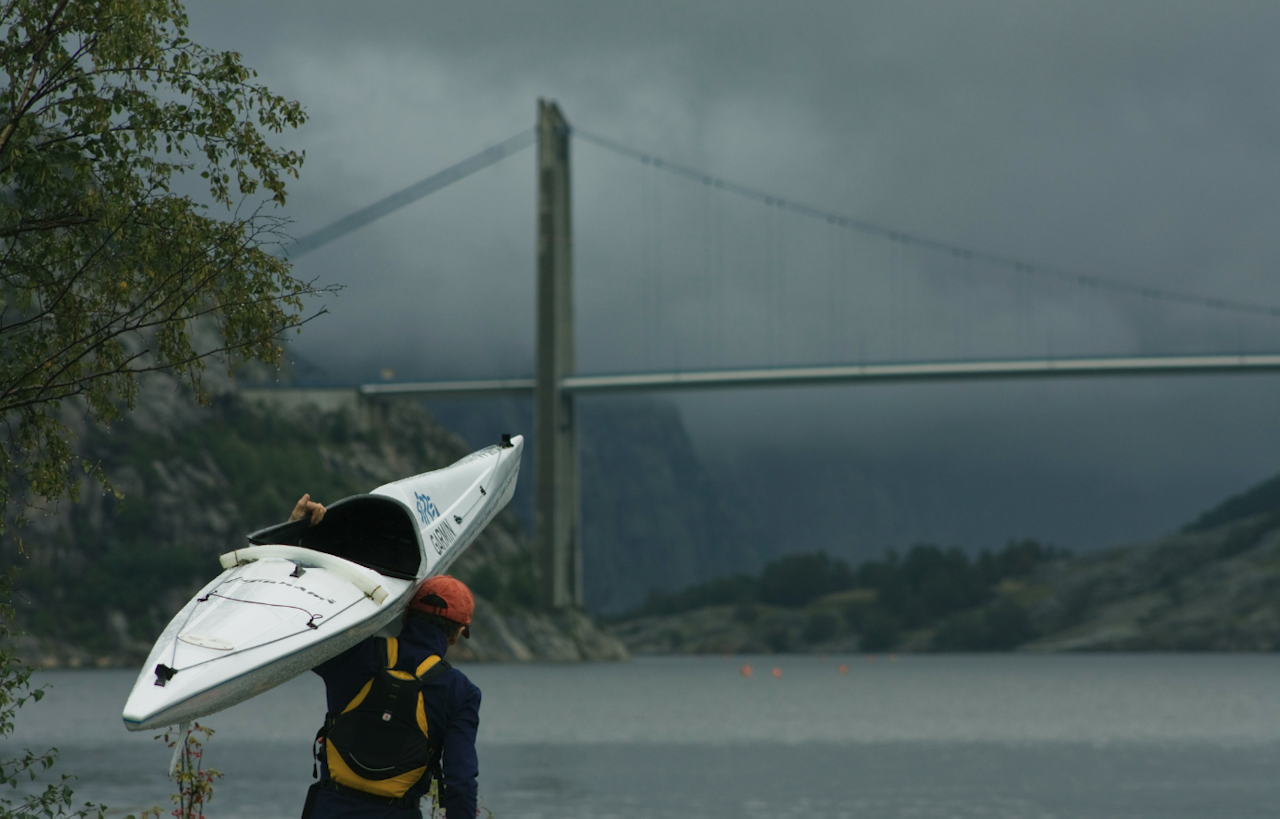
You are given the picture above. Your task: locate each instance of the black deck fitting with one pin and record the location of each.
(164, 673)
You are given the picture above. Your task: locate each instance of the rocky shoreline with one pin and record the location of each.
(522, 637)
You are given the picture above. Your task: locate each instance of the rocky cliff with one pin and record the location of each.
(1213, 589)
(102, 576)
(652, 517)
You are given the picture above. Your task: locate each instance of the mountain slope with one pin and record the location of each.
(104, 575)
(1214, 589)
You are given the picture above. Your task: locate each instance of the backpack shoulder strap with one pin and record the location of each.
(431, 668)
(388, 650)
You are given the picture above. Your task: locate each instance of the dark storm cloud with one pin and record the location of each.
(1134, 141)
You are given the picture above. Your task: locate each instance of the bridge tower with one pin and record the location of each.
(557, 520)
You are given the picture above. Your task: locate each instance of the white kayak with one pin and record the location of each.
(302, 594)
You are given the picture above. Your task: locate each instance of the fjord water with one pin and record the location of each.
(920, 736)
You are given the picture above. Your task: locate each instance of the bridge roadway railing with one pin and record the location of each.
(1132, 366)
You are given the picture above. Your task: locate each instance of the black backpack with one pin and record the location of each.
(379, 746)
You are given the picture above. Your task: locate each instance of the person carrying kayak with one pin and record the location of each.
(398, 716)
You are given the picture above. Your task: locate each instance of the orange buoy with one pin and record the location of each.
(871, 658)
(843, 669)
(746, 671)
(893, 658)
(777, 672)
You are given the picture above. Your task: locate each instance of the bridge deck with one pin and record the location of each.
(846, 374)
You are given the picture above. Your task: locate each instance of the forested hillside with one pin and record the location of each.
(1213, 586)
(930, 598)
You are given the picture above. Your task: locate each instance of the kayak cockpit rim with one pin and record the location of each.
(374, 531)
(302, 556)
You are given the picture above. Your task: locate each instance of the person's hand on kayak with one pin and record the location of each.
(308, 508)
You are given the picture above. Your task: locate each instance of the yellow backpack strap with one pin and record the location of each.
(359, 698)
(388, 651)
(426, 665)
(423, 667)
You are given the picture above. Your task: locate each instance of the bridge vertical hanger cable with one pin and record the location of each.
(662, 294)
(1241, 344)
(663, 291)
(1072, 320)
(835, 346)
(784, 289)
(887, 271)
(852, 269)
(765, 291)
(707, 296)
(646, 285)
(878, 341)
(907, 273)
(654, 271)
(918, 317)
(972, 333)
(899, 302)
(834, 313)
(777, 289)
(769, 280)
(1086, 319)
(721, 302)
(846, 323)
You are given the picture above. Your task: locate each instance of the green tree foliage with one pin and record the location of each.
(945, 589)
(738, 588)
(997, 627)
(820, 626)
(106, 265)
(796, 579)
(16, 690)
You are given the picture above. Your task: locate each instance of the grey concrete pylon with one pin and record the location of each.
(557, 521)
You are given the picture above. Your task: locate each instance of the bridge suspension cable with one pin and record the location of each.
(416, 191)
(908, 239)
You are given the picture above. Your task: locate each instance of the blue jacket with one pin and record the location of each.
(452, 704)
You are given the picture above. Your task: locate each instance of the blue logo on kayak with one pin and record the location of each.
(426, 509)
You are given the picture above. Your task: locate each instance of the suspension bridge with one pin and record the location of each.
(557, 382)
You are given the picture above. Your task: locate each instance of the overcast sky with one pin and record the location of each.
(1133, 141)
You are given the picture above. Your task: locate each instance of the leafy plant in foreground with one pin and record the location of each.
(17, 690)
(107, 270)
(195, 783)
